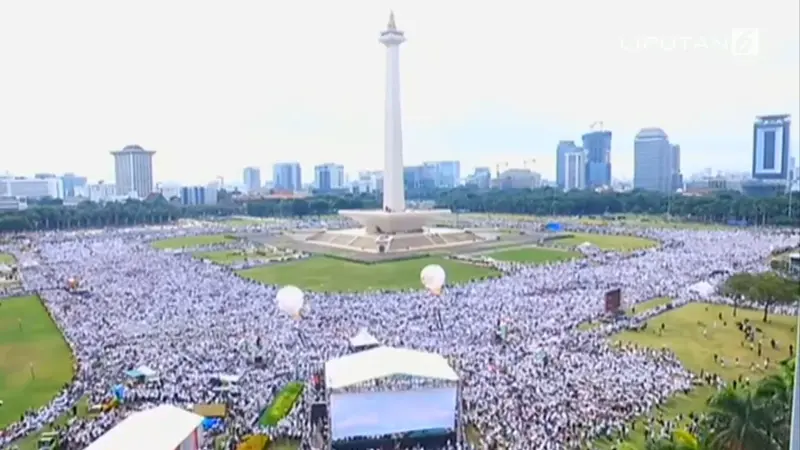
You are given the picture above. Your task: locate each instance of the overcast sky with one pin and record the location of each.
(214, 86)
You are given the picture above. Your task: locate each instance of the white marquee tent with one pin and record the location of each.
(363, 339)
(164, 427)
(703, 288)
(381, 362)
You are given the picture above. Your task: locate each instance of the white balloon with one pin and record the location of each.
(290, 300)
(433, 277)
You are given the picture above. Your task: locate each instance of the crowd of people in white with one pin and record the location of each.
(552, 386)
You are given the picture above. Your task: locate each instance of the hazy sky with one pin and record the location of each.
(216, 86)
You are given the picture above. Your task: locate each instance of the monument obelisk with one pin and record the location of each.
(393, 188)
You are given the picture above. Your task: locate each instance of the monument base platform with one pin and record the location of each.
(383, 222)
(362, 241)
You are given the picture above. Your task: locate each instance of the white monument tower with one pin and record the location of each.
(393, 229)
(394, 199)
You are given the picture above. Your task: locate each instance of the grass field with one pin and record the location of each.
(329, 274)
(607, 242)
(683, 334)
(35, 361)
(192, 241)
(224, 258)
(5, 258)
(533, 255)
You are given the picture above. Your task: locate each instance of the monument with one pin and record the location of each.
(393, 228)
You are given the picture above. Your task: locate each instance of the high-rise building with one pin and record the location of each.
(31, 188)
(771, 147)
(562, 149)
(655, 161)
(72, 182)
(598, 158)
(422, 177)
(287, 176)
(677, 175)
(328, 176)
(481, 178)
(133, 171)
(447, 174)
(574, 175)
(252, 179)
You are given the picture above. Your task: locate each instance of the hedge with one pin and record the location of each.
(283, 403)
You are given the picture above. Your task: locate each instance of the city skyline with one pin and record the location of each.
(477, 105)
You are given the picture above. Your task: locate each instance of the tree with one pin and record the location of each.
(770, 289)
(738, 287)
(739, 421)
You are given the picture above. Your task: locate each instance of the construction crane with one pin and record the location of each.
(598, 125)
(503, 164)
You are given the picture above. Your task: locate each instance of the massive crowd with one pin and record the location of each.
(551, 386)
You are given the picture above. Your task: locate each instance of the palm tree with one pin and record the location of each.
(740, 421)
(775, 391)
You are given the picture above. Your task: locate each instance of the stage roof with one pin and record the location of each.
(164, 427)
(382, 362)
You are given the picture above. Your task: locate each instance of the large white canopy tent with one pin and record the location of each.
(703, 288)
(381, 362)
(164, 427)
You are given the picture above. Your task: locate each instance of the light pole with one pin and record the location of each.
(794, 266)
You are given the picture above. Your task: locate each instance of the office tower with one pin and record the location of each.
(71, 183)
(328, 177)
(574, 165)
(252, 179)
(481, 178)
(598, 158)
(677, 175)
(771, 147)
(32, 188)
(287, 176)
(133, 171)
(654, 160)
(562, 149)
(446, 174)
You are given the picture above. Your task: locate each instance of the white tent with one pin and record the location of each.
(382, 362)
(164, 427)
(703, 288)
(147, 373)
(363, 339)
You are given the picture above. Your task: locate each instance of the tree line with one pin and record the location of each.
(721, 207)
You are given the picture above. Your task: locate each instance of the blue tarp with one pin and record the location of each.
(210, 423)
(119, 392)
(554, 226)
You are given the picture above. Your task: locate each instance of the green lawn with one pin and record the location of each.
(5, 258)
(192, 241)
(329, 274)
(35, 361)
(225, 258)
(534, 255)
(683, 334)
(607, 242)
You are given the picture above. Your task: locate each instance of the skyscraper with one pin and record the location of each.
(446, 174)
(72, 182)
(771, 147)
(287, 176)
(133, 171)
(654, 161)
(598, 158)
(574, 169)
(328, 176)
(563, 148)
(252, 179)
